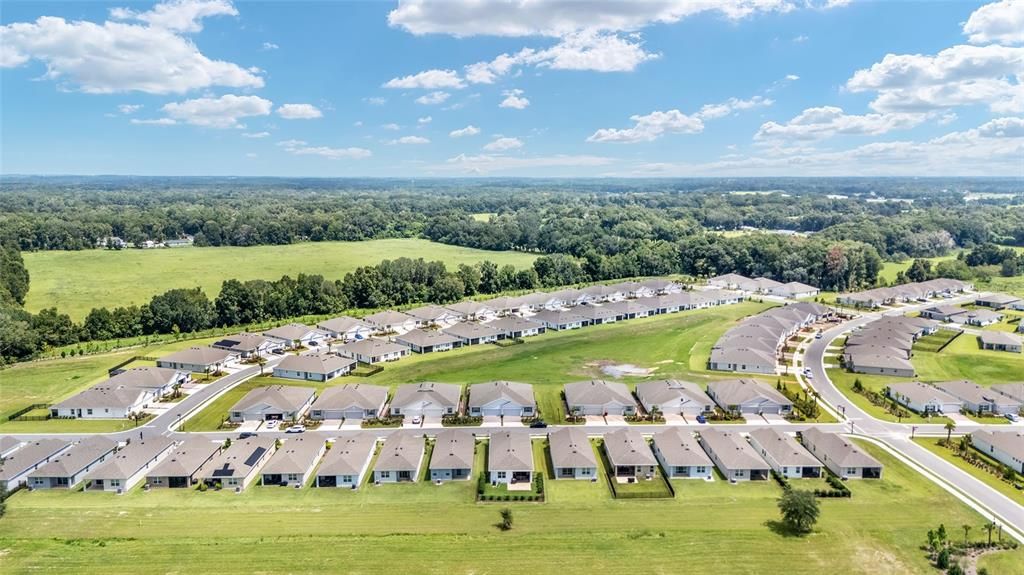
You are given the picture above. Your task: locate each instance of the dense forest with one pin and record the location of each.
(832, 233)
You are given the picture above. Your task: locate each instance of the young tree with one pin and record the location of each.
(506, 519)
(950, 427)
(799, 510)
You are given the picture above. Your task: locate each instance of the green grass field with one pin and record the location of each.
(76, 282)
(931, 444)
(425, 528)
(677, 345)
(964, 359)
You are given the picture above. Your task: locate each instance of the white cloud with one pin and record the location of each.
(998, 23)
(558, 17)
(650, 127)
(299, 112)
(836, 4)
(433, 98)
(428, 80)
(301, 148)
(712, 111)
(154, 122)
(223, 112)
(488, 163)
(251, 155)
(504, 145)
(376, 101)
(801, 39)
(392, 126)
(412, 140)
(947, 118)
(178, 15)
(154, 57)
(469, 130)
(255, 135)
(129, 108)
(1002, 128)
(424, 120)
(514, 99)
(828, 121)
(267, 46)
(358, 124)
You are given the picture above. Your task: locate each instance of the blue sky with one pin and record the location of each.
(541, 88)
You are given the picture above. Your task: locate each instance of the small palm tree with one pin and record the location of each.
(967, 530)
(989, 527)
(950, 427)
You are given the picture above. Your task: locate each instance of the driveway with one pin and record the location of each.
(332, 424)
(774, 419)
(615, 419)
(249, 426)
(349, 424)
(959, 418)
(676, 419)
(594, 420)
(492, 421)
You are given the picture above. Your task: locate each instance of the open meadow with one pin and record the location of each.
(440, 529)
(77, 281)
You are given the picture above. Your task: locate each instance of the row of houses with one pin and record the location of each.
(505, 399)
(127, 392)
(755, 345)
(98, 464)
(884, 346)
(956, 396)
(1006, 447)
(910, 292)
(764, 286)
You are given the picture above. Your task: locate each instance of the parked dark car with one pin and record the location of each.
(538, 424)
(246, 435)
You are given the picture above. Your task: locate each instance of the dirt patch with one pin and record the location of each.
(618, 370)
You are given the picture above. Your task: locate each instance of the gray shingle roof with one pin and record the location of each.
(240, 459)
(296, 455)
(570, 447)
(471, 330)
(322, 363)
(283, 397)
(241, 342)
(628, 447)
(680, 448)
(731, 449)
(441, 394)
(342, 324)
(361, 395)
(1013, 390)
(739, 391)
(783, 448)
(453, 449)
(348, 455)
(917, 392)
(999, 338)
(198, 356)
(130, 459)
(76, 458)
(388, 317)
(597, 392)
(372, 347)
(661, 392)
(426, 338)
(513, 323)
(1011, 442)
(520, 394)
(186, 459)
(289, 332)
(839, 449)
(510, 451)
(401, 452)
(29, 455)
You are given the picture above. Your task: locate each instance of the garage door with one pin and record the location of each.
(354, 413)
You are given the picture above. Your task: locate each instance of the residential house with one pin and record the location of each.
(426, 399)
(661, 286)
(572, 297)
(239, 464)
(733, 456)
(350, 401)
(923, 398)
(997, 301)
(629, 309)
(502, 398)
(346, 462)
(472, 333)
(390, 321)
(130, 391)
(452, 457)
(599, 397)
(603, 293)
(748, 396)
(346, 328)
(432, 315)
(999, 341)
(943, 313)
(400, 459)
(314, 367)
(979, 317)
(428, 340)
(794, 290)
(786, 456)
(979, 399)
(1006, 447)
(728, 281)
(1012, 390)
(292, 463)
(743, 359)
(630, 456)
(197, 359)
(129, 465)
(598, 314)
(681, 456)
(67, 469)
(245, 345)
(510, 458)
(8, 445)
(16, 465)
(572, 456)
(759, 285)
(538, 301)
(841, 456)
(879, 364)
(560, 320)
(295, 335)
(674, 396)
(473, 311)
(183, 467)
(513, 327)
(505, 305)
(274, 402)
(373, 351)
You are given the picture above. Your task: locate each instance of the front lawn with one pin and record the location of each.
(844, 381)
(932, 444)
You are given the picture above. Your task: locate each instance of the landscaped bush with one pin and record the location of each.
(456, 419)
(386, 421)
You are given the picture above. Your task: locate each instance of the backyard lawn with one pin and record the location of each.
(439, 529)
(77, 281)
(672, 345)
(964, 359)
